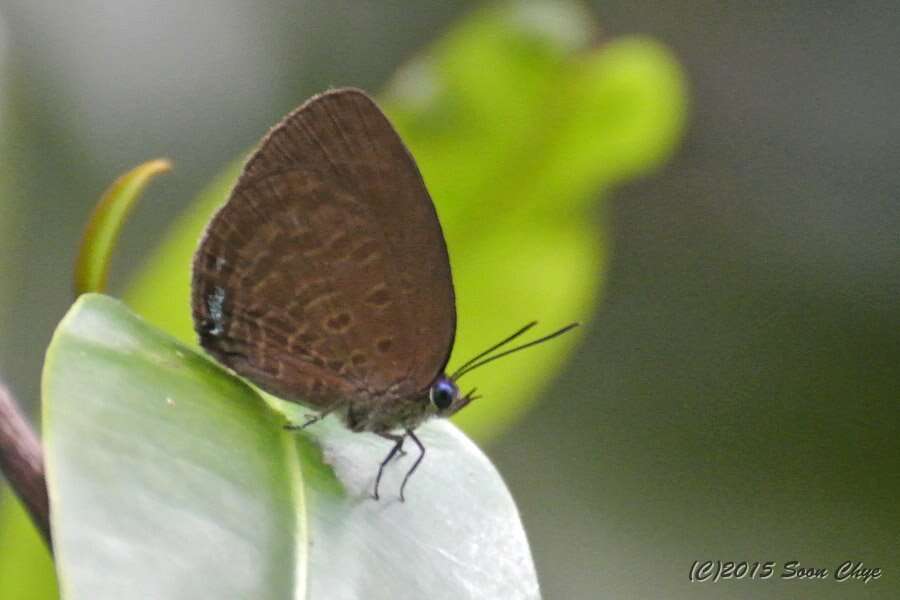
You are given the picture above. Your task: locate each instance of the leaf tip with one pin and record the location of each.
(106, 221)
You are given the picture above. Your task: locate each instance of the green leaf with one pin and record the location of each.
(518, 126)
(105, 223)
(160, 466)
(171, 476)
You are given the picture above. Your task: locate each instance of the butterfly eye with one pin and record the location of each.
(442, 394)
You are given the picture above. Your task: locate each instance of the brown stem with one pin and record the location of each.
(22, 461)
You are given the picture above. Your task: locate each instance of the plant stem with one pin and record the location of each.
(22, 461)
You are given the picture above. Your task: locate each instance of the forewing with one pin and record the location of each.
(326, 273)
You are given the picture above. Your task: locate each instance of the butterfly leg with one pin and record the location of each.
(310, 419)
(413, 437)
(397, 439)
(398, 447)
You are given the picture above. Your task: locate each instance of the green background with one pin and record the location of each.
(734, 395)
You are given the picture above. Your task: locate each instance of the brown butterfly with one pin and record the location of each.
(325, 280)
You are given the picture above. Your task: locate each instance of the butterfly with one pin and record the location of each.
(325, 279)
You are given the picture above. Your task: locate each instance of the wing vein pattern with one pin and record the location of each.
(326, 268)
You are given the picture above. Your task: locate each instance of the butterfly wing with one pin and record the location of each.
(325, 275)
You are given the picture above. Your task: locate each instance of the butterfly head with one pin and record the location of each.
(445, 397)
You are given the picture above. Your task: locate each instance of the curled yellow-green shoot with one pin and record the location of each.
(102, 231)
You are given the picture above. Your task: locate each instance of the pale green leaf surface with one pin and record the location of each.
(170, 476)
(458, 535)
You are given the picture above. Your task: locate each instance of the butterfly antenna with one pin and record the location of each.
(499, 344)
(474, 365)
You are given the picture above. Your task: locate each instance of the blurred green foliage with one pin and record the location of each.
(26, 569)
(520, 122)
